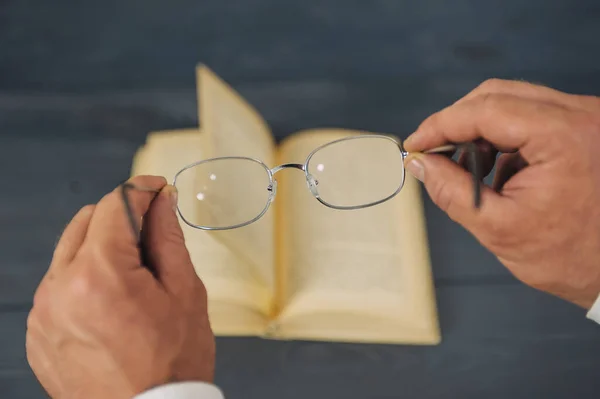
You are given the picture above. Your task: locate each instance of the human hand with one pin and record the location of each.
(541, 217)
(102, 326)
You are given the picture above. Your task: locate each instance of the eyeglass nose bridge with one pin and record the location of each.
(311, 182)
(286, 166)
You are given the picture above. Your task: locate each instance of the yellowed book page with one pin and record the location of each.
(238, 301)
(234, 128)
(352, 275)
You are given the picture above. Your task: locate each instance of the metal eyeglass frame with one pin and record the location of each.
(470, 148)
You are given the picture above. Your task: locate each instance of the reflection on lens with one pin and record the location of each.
(223, 192)
(358, 171)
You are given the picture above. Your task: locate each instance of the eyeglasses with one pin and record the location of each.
(347, 174)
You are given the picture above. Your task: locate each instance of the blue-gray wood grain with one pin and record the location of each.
(82, 83)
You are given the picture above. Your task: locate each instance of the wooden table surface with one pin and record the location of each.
(82, 83)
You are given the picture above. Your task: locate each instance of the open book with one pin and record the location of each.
(302, 271)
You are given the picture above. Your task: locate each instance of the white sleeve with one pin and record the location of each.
(594, 312)
(183, 390)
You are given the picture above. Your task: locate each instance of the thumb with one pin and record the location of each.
(451, 188)
(164, 243)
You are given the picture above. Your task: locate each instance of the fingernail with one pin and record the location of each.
(415, 166)
(172, 191)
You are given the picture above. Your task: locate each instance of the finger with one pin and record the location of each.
(508, 165)
(110, 228)
(451, 188)
(534, 92)
(165, 245)
(72, 238)
(509, 123)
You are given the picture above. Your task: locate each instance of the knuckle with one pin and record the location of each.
(488, 101)
(40, 297)
(491, 85)
(490, 105)
(86, 209)
(84, 283)
(32, 318)
(97, 290)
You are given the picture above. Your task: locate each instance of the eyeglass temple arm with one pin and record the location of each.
(474, 165)
(135, 227)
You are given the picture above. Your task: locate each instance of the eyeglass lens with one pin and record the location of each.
(357, 172)
(223, 192)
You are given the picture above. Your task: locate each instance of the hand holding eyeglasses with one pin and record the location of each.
(541, 218)
(102, 325)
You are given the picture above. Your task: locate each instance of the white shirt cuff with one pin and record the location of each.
(594, 312)
(183, 390)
